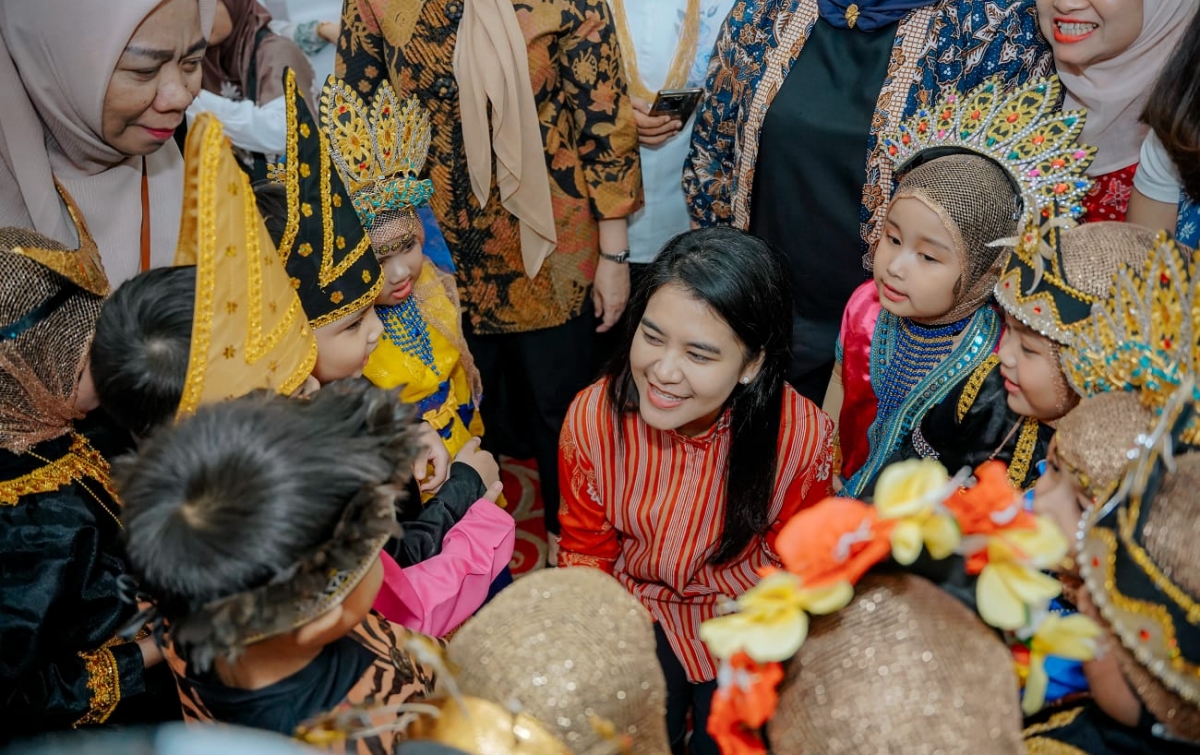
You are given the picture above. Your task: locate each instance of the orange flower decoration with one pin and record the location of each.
(837, 540)
(992, 504)
(745, 700)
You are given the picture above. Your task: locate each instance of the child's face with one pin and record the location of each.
(1085, 32)
(1058, 495)
(401, 254)
(917, 269)
(1034, 381)
(343, 346)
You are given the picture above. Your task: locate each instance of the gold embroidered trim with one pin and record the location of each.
(1127, 520)
(358, 304)
(104, 681)
(80, 461)
(1057, 721)
(1022, 458)
(975, 384)
(1047, 746)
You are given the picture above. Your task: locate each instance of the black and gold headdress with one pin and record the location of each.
(327, 252)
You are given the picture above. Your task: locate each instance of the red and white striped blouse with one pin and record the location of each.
(648, 506)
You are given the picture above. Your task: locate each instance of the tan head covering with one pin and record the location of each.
(978, 205)
(903, 668)
(574, 650)
(50, 298)
(56, 59)
(1115, 91)
(249, 329)
(491, 64)
(1139, 563)
(1095, 438)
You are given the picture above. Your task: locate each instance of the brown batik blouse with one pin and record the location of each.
(588, 129)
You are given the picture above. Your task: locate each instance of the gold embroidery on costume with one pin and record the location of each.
(852, 15)
(80, 461)
(1023, 455)
(1057, 721)
(974, 384)
(104, 682)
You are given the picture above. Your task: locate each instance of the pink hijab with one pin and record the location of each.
(1115, 91)
(56, 58)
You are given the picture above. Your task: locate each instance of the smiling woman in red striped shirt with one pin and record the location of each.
(680, 465)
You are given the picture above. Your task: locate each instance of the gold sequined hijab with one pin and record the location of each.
(574, 653)
(50, 299)
(903, 669)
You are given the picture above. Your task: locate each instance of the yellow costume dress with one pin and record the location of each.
(422, 350)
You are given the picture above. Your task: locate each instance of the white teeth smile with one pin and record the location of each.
(665, 395)
(1076, 29)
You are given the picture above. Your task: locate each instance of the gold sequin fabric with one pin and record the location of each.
(104, 682)
(1094, 439)
(573, 649)
(973, 219)
(40, 366)
(903, 669)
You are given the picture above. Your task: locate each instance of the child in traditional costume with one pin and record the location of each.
(380, 149)
(61, 554)
(1137, 560)
(266, 625)
(561, 663)
(919, 335)
(340, 280)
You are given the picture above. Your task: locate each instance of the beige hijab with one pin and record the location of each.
(56, 58)
(1115, 91)
(491, 64)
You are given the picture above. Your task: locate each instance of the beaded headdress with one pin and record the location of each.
(249, 330)
(1138, 560)
(1057, 270)
(379, 149)
(1143, 336)
(903, 663)
(50, 299)
(1022, 130)
(327, 252)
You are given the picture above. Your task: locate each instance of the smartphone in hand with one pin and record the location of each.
(677, 103)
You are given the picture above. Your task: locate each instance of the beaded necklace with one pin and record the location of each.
(918, 350)
(404, 325)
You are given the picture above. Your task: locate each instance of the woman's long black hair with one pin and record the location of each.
(1173, 109)
(746, 284)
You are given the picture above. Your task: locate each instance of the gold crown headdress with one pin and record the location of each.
(1022, 130)
(249, 330)
(1143, 338)
(379, 149)
(1058, 269)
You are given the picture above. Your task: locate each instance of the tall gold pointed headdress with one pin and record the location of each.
(249, 330)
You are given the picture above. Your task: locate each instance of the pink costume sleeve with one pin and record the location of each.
(437, 595)
(858, 402)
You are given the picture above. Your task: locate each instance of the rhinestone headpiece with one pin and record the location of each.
(1143, 338)
(379, 149)
(1022, 130)
(1033, 286)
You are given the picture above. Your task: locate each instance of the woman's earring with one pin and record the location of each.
(745, 381)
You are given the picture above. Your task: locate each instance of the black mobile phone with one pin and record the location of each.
(677, 103)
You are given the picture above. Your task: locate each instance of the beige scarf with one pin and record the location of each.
(491, 64)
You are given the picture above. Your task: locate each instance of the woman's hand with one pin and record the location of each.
(610, 292)
(653, 129)
(433, 453)
(329, 31)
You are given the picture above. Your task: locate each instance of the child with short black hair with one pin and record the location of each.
(257, 526)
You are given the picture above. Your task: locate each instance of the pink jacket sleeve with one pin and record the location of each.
(437, 595)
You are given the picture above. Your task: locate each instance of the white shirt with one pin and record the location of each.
(248, 126)
(656, 26)
(1156, 175)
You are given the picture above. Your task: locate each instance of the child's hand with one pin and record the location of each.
(481, 461)
(433, 453)
(494, 492)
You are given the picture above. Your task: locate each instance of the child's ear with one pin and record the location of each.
(314, 632)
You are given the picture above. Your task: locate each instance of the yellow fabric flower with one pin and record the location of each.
(910, 493)
(1071, 637)
(771, 622)
(1012, 582)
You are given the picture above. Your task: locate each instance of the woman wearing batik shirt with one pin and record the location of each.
(785, 143)
(682, 463)
(540, 251)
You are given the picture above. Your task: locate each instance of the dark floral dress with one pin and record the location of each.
(588, 130)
